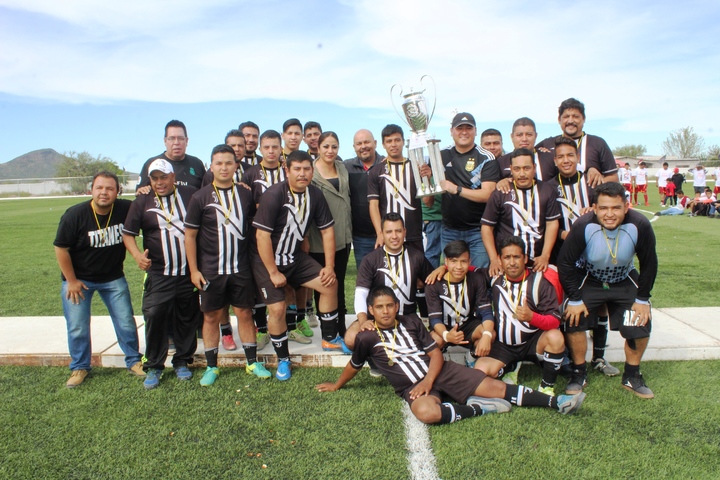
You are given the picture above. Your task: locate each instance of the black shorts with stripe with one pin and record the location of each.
(455, 383)
(619, 298)
(516, 353)
(303, 270)
(236, 289)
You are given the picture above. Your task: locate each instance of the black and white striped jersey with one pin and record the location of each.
(242, 167)
(222, 223)
(399, 271)
(407, 345)
(260, 178)
(393, 185)
(287, 215)
(573, 195)
(523, 213)
(161, 220)
(536, 290)
(453, 303)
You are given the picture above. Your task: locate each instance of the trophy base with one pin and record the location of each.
(430, 193)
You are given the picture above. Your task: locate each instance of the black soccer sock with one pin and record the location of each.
(329, 325)
(579, 369)
(523, 396)
(280, 344)
(551, 367)
(507, 368)
(453, 412)
(225, 329)
(291, 317)
(300, 314)
(600, 334)
(211, 357)
(342, 328)
(421, 303)
(260, 318)
(631, 370)
(250, 352)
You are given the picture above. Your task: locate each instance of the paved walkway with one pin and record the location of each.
(678, 334)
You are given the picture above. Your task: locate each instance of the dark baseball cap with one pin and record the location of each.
(463, 118)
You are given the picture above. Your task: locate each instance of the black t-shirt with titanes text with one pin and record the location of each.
(287, 216)
(97, 252)
(162, 222)
(222, 248)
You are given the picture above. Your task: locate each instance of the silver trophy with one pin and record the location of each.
(416, 116)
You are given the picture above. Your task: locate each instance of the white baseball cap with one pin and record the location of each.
(161, 165)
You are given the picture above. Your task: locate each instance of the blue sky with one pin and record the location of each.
(106, 76)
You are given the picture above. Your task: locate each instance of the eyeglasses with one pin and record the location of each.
(176, 139)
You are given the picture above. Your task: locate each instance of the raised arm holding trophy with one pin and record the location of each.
(416, 116)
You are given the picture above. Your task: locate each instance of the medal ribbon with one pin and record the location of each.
(391, 358)
(532, 199)
(107, 224)
(508, 289)
(232, 200)
(613, 255)
(162, 207)
(457, 305)
(395, 275)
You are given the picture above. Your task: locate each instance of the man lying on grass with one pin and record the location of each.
(412, 362)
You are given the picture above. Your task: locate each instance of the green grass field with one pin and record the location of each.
(30, 279)
(111, 427)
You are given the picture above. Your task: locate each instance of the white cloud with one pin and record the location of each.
(497, 60)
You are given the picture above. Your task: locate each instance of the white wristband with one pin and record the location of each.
(444, 335)
(487, 332)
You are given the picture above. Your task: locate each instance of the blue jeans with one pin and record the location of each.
(433, 245)
(478, 256)
(672, 211)
(361, 247)
(116, 296)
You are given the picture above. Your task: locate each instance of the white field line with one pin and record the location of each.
(421, 460)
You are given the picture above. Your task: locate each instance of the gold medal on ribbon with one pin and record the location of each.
(614, 261)
(470, 165)
(227, 221)
(391, 363)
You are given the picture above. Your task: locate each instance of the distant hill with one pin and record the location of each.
(37, 164)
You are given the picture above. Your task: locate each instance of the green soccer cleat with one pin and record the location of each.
(209, 377)
(258, 369)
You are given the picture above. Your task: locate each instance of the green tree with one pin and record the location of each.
(713, 152)
(630, 150)
(80, 167)
(684, 143)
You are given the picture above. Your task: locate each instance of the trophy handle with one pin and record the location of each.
(434, 95)
(392, 99)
